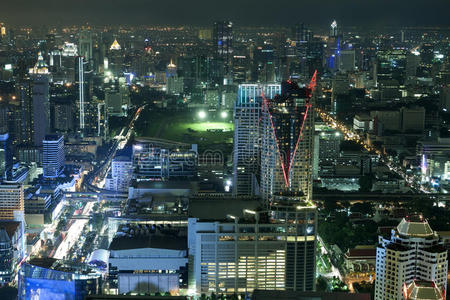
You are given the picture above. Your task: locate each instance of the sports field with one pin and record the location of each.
(212, 131)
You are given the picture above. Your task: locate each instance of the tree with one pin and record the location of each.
(365, 183)
(364, 208)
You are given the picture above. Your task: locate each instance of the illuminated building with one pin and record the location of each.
(40, 77)
(247, 144)
(6, 157)
(115, 46)
(85, 45)
(121, 172)
(254, 249)
(81, 92)
(11, 200)
(223, 43)
(53, 156)
(144, 258)
(423, 290)
(412, 252)
(288, 141)
(334, 29)
(69, 50)
(11, 249)
(49, 279)
(159, 160)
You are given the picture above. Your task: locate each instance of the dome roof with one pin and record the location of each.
(415, 226)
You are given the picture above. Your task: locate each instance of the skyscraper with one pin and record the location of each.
(412, 252)
(288, 141)
(266, 249)
(85, 45)
(223, 44)
(247, 141)
(40, 77)
(81, 91)
(6, 160)
(53, 156)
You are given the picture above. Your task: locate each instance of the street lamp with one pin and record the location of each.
(224, 114)
(202, 114)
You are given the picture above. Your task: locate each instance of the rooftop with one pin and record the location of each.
(415, 226)
(423, 290)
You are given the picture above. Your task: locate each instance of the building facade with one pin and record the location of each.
(412, 252)
(247, 140)
(287, 142)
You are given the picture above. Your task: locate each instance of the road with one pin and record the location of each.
(351, 135)
(96, 176)
(74, 232)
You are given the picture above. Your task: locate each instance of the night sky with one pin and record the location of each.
(245, 12)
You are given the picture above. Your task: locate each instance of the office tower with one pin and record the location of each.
(53, 156)
(423, 290)
(40, 77)
(81, 92)
(85, 45)
(347, 60)
(334, 29)
(6, 257)
(288, 141)
(223, 43)
(412, 252)
(11, 200)
(247, 143)
(255, 248)
(26, 112)
(6, 158)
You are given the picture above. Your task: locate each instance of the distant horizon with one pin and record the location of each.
(370, 13)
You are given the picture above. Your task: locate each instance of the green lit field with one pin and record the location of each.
(205, 126)
(213, 131)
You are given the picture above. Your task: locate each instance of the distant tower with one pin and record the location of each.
(334, 29)
(40, 77)
(288, 141)
(53, 156)
(223, 43)
(81, 92)
(85, 45)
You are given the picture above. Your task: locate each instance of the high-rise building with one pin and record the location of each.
(6, 158)
(53, 156)
(223, 43)
(121, 171)
(288, 141)
(40, 77)
(255, 249)
(412, 252)
(11, 200)
(85, 45)
(81, 93)
(334, 29)
(247, 141)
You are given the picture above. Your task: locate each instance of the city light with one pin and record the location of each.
(224, 114)
(202, 114)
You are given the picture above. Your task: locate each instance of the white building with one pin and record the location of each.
(413, 252)
(53, 156)
(121, 173)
